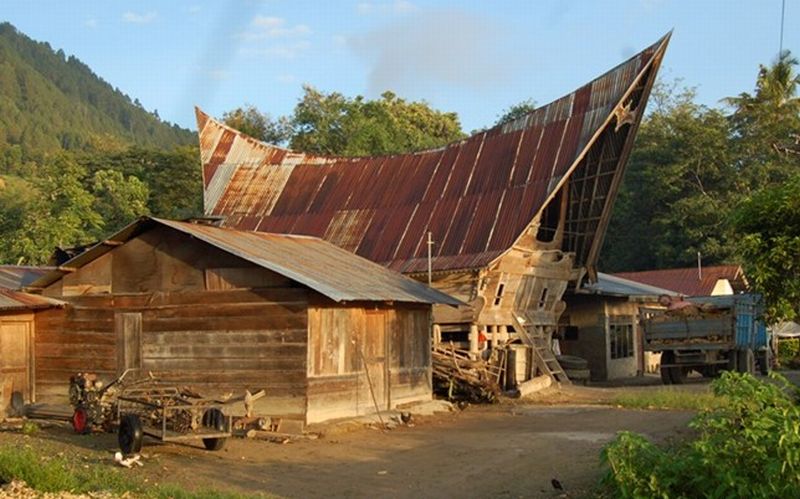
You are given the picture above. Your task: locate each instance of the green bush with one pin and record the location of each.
(788, 351)
(748, 446)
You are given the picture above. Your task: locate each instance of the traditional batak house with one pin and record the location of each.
(512, 216)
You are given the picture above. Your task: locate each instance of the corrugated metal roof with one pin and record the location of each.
(313, 262)
(19, 276)
(475, 196)
(612, 285)
(17, 300)
(688, 281)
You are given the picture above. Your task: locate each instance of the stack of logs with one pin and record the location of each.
(457, 375)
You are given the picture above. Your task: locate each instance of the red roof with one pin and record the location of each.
(476, 196)
(688, 281)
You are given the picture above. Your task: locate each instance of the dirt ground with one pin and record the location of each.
(512, 449)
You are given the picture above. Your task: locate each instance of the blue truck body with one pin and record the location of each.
(723, 332)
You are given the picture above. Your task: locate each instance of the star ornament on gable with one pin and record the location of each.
(624, 115)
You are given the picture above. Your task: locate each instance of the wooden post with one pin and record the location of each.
(493, 331)
(473, 340)
(437, 334)
(503, 334)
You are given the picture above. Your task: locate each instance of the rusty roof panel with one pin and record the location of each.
(17, 300)
(19, 276)
(476, 196)
(317, 264)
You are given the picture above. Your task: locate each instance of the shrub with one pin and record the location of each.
(748, 446)
(788, 351)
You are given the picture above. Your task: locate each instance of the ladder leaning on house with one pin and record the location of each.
(541, 351)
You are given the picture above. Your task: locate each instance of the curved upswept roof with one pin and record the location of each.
(475, 196)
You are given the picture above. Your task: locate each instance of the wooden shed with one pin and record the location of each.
(18, 312)
(323, 331)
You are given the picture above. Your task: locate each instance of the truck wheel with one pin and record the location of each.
(666, 378)
(678, 375)
(746, 361)
(215, 420)
(130, 434)
(667, 357)
(763, 362)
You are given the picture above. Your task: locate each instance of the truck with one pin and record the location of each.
(707, 334)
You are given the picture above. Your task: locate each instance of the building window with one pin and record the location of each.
(620, 336)
(499, 295)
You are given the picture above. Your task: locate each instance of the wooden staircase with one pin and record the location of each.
(541, 352)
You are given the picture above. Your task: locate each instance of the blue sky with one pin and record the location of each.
(472, 57)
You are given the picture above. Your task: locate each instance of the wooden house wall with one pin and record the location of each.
(360, 356)
(16, 366)
(172, 305)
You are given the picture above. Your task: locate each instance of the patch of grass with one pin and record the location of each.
(669, 398)
(56, 474)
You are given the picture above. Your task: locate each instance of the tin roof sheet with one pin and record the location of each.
(327, 269)
(475, 196)
(19, 276)
(17, 300)
(688, 281)
(612, 285)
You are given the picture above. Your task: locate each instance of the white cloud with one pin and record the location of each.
(219, 74)
(194, 9)
(90, 23)
(439, 47)
(367, 8)
(278, 50)
(266, 27)
(136, 18)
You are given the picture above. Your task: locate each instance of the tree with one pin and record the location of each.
(118, 199)
(333, 124)
(258, 125)
(678, 189)
(516, 111)
(768, 228)
(766, 126)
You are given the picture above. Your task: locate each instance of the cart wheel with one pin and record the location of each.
(130, 434)
(81, 422)
(214, 419)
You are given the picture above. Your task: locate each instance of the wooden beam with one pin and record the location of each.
(62, 268)
(111, 242)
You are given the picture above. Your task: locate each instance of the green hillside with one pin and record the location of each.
(49, 101)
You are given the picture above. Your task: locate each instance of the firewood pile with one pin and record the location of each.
(457, 376)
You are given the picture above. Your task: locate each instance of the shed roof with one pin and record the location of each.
(17, 300)
(475, 196)
(317, 264)
(688, 281)
(611, 285)
(19, 276)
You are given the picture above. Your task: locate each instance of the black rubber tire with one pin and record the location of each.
(130, 434)
(709, 371)
(746, 362)
(572, 362)
(81, 421)
(678, 375)
(763, 362)
(667, 357)
(214, 419)
(665, 376)
(577, 374)
(733, 361)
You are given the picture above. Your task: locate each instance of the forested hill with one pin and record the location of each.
(49, 101)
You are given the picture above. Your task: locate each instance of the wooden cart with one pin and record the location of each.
(167, 414)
